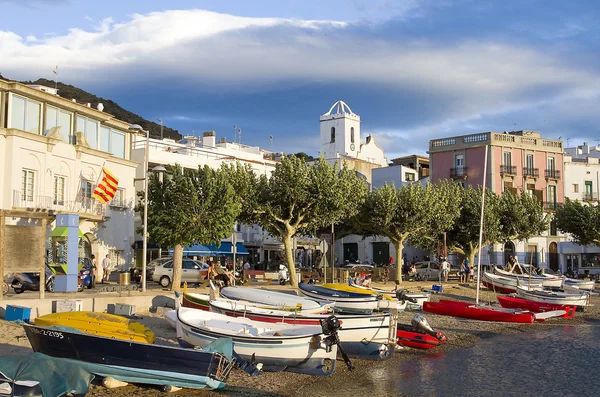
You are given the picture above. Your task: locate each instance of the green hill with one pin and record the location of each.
(111, 107)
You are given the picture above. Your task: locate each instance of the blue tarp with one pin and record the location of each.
(212, 250)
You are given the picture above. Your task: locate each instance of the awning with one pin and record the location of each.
(139, 244)
(62, 231)
(212, 250)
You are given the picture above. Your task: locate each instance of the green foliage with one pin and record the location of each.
(521, 216)
(582, 221)
(305, 157)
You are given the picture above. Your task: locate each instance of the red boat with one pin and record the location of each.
(537, 307)
(472, 311)
(407, 335)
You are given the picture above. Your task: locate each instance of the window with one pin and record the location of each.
(86, 189)
(24, 114)
(104, 139)
(531, 188)
(507, 159)
(27, 185)
(119, 200)
(529, 161)
(575, 188)
(588, 189)
(332, 140)
(117, 144)
(553, 228)
(59, 118)
(459, 160)
(552, 194)
(409, 177)
(351, 134)
(551, 164)
(59, 190)
(89, 128)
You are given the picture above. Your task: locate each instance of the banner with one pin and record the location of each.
(107, 188)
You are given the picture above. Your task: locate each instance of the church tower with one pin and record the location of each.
(340, 132)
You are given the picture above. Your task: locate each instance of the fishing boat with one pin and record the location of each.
(361, 336)
(507, 285)
(133, 362)
(195, 301)
(585, 285)
(414, 300)
(202, 302)
(100, 324)
(580, 299)
(419, 334)
(547, 280)
(277, 347)
(273, 299)
(534, 306)
(350, 302)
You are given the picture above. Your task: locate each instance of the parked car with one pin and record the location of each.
(430, 270)
(192, 272)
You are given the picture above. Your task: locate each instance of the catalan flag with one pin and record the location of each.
(106, 189)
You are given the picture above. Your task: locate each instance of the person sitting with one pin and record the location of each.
(218, 275)
(412, 273)
(366, 282)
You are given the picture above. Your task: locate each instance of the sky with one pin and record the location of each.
(413, 70)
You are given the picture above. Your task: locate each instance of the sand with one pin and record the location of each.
(460, 333)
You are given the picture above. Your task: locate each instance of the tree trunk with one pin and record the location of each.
(177, 264)
(399, 245)
(287, 246)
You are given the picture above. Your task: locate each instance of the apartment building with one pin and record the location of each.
(52, 152)
(520, 161)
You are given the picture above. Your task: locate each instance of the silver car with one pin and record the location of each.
(192, 272)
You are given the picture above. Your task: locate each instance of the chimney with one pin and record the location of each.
(100, 107)
(209, 139)
(223, 140)
(586, 148)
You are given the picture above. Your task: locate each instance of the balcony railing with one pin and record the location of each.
(550, 206)
(531, 172)
(508, 170)
(552, 174)
(589, 196)
(458, 172)
(81, 205)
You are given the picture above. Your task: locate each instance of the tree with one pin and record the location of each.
(190, 206)
(297, 198)
(582, 221)
(413, 210)
(521, 216)
(463, 238)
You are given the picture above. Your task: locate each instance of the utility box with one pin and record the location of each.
(121, 309)
(17, 313)
(69, 305)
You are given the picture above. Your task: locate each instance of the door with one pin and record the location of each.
(509, 250)
(350, 252)
(553, 256)
(588, 190)
(507, 159)
(190, 271)
(381, 252)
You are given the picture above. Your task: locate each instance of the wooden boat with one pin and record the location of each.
(534, 306)
(361, 336)
(100, 324)
(202, 302)
(507, 285)
(355, 290)
(350, 302)
(580, 299)
(273, 299)
(195, 301)
(487, 313)
(130, 361)
(547, 280)
(415, 300)
(278, 347)
(419, 334)
(585, 285)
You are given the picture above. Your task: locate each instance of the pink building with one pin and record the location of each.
(518, 161)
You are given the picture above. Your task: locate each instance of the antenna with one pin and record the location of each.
(161, 127)
(55, 71)
(239, 130)
(568, 139)
(271, 142)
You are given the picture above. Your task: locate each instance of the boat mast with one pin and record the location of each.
(485, 161)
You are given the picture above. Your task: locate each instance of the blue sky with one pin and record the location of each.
(413, 70)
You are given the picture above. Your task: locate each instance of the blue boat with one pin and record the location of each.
(133, 362)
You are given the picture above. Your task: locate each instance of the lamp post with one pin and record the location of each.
(136, 129)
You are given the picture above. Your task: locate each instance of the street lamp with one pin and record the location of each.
(136, 129)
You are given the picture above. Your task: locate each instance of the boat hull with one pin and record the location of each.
(364, 336)
(196, 301)
(272, 299)
(469, 310)
(507, 285)
(536, 307)
(578, 299)
(586, 285)
(131, 361)
(407, 336)
(546, 281)
(304, 353)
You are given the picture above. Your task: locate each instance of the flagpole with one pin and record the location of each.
(481, 224)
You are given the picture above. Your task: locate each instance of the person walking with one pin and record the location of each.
(93, 270)
(445, 270)
(106, 268)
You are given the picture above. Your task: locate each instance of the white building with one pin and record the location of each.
(52, 151)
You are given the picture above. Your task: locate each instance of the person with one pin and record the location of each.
(466, 271)
(366, 282)
(412, 273)
(246, 268)
(472, 274)
(391, 261)
(106, 268)
(216, 273)
(386, 274)
(93, 270)
(396, 285)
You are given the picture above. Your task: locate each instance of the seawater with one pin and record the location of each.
(559, 361)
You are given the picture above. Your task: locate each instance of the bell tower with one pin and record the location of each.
(340, 131)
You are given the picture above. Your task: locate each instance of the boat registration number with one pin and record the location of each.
(46, 332)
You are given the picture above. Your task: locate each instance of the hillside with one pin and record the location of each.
(111, 107)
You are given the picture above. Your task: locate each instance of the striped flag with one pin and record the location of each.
(106, 189)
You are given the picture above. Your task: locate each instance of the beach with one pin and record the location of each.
(461, 333)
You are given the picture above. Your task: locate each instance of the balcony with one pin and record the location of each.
(589, 196)
(508, 170)
(458, 173)
(552, 174)
(550, 206)
(85, 207)
(531, 172)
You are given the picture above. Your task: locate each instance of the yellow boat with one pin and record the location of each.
(349, 288)
(100, 324)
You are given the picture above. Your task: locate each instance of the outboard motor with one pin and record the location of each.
(330, 327)
(420, 323)
(401, 296)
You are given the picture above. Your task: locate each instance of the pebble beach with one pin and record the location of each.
(461, 333)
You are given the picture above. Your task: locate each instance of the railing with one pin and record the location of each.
(82, 205)
(532, 172)
(508, 170)
(589, 196)
(458, 172)
(443, 142)
(550, 206)
(504, 137)
(552, 174)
